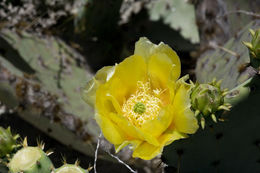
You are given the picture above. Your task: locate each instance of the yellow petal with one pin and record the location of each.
(170, 135)
(110, 130)
(133, 144)
(103, 75)
(147, 151)
(158, 125)
(105, 102)
(184, 119)
(160, 69)
(164, 48)
(147, 49)
(132, 132)
(89, 91)
(144, 47)
(124, 81)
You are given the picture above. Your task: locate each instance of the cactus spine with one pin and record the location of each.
(30, 160)
(70, 168)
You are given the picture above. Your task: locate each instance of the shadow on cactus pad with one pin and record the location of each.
(231, 146)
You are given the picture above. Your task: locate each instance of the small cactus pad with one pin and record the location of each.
(69, 168)
(30, 160)
(7, 141)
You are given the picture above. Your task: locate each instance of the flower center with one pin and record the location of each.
(139, 108)
(142, 106)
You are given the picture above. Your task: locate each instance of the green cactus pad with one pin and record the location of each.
(69, 168)
(231, 146)
(30, 160)
(7, 141)
(225, 66)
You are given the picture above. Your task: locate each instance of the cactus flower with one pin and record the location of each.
(141, 101)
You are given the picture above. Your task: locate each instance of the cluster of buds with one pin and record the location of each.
(207, 100)
(7, 142)
(254, 48)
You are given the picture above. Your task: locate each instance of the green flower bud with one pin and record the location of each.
(7, 141)
(254, 48)
(207, 100)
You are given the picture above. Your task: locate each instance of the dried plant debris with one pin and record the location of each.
(35, 15)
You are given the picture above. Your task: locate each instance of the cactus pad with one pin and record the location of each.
(30, 160)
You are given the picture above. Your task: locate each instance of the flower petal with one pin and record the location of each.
(124, 81)
(158, 125)
(133, 144)
(147, 151)
(132, 132)
(105, 102)
(110, 130)
(89, 91)
(184, 119)
(144, 47)
(147, 49)
(170, 135)
(160, 69)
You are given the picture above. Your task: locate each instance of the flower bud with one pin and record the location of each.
(207, 99)
(7, 141)
(254, 48)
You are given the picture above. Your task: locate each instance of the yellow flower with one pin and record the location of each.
(140, 102)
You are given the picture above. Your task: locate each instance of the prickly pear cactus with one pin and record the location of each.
(232, 145)
(41, 77)
(30, 160)
(227, 63)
